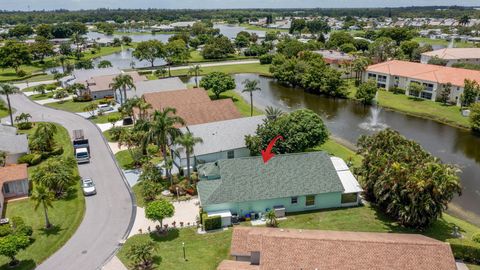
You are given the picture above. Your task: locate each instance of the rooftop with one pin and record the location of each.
(14, 144)
(13, 173)
(82, 75)
(329, 250)
(102, 83)
(455, 53)
(7, 130)
(332, 56)
(193, 105)
(426, 72)
(249, 179)
(222, 135)
(152, 86)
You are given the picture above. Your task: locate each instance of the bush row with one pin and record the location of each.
(211, 223)
(35, 158)
(465, 250)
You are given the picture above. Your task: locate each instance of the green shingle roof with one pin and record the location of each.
(288, 175)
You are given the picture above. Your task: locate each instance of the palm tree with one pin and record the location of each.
(77, 39)
(359, 66)
(122, 82)
(143, 106)
(141, 254)
(127, 108)
(42, 196)
(104, 64)
(273, 113)
(23, 117)
(188, 141)
(7, 90)
(271, 218)
(62, 59)
(195, 70)
(250, 87)
(91, 108)
(43, 138)
(464, 20)
(162, 130)
(40, 89)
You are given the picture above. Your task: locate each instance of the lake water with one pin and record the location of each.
(344, 118)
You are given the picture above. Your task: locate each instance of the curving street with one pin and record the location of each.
(108, 215)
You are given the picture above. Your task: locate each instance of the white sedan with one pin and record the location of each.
(88, 187)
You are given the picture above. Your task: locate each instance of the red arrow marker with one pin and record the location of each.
(267, 153)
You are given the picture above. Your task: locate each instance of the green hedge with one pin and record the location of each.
(30, 159)
(211, 223)
(465, 250)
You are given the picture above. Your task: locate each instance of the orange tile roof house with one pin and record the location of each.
(453, 55)
(13, 181)
(292, 249)
(400, 74)
(99, 87)
(193, 105)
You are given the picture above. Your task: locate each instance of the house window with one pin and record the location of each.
(310, 200)
(294, 200)
(426, 95)
(230, 154)
(6, 188)
(382, 78)
(349, 198)
(372, 76)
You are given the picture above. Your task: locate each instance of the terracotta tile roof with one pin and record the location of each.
(329, 250)
(102, 83)
(13, 173)
(455, 53)
(194, 105)
(426, 72)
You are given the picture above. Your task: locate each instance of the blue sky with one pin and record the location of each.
(169, 4)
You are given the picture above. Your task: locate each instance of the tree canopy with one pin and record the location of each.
(218, 82)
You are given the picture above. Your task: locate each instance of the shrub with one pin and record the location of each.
(21, 73)
(5, 230)
(476, 238)
(465, 250)
(24, 125)
(397, 91)
(211, 223)
(266, 59)
(19, 226)
(84, 98)
(57, 151)
(30, 159)
(50, 87)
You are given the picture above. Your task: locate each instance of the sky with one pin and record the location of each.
(212, 4)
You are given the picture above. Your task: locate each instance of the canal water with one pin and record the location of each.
(344, 119)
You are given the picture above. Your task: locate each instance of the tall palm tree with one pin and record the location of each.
(143, 106)
(359, 66)
(162, 130)
(62, 59)
(195, 71)
(188, 141)
(42, 196)
(250, 87)
(7, 90)
(43, 139)
(121, 83)
(23, 117)
(77, 39)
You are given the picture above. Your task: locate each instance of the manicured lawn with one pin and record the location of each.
(69, 105)
(206, 251)
(9, 74)
(137, 190)
(125, 159)
(32, 88)
(459, 44)
(203, 252)
(103, 51)
(232, 69)
(423, 108)
(196, 57)
(102, 119)
(473, 266)
(242, 105)
(335, 148)
(66, 215)
(41, 96)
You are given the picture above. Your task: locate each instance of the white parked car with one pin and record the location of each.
(88, 187)
(105, 107)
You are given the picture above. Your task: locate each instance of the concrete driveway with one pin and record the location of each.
(108, 216)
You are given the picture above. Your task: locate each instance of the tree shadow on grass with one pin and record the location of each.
(54, 230)
(170, 236)
(70, 195)
(23, 265)
(416, 99)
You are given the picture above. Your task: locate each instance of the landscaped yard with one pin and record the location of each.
(423, 108)
(196, 57)
(125, 159)
(69, 105)
(242, 105)
(102, 119)
(232, 69)
(335, 148)
(66, 215)
(206, 251)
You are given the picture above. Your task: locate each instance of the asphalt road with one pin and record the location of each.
(108, 214)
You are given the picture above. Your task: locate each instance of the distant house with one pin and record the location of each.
(193, 105)
(14, 145)
(400, 74)
(13, 181)
(453, 55)
(293, 249)
(221, 140)
(292, 182)
(82, 75)
(99, 86)
(152, 86)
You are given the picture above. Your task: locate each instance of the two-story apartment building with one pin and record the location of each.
(453, 55)
(399, 74)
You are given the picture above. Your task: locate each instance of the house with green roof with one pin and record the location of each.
(291, 182)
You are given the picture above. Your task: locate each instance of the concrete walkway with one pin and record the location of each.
(52, 100)
(185, 211)
(114, 264)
